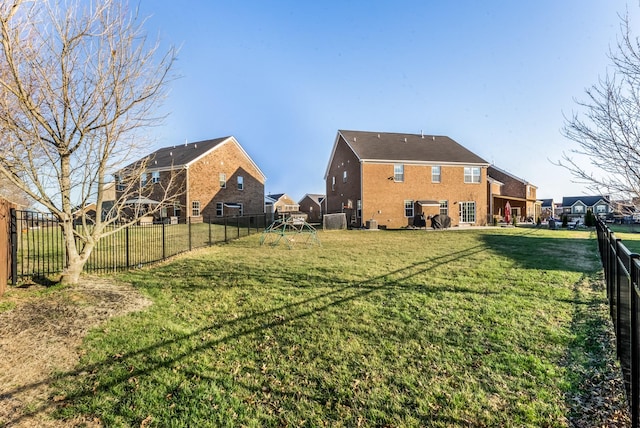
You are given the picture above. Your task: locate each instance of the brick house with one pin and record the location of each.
(392, 178)
(313, 206)
(214, 178)
(575, 207)
(282, 204)
(521, 195)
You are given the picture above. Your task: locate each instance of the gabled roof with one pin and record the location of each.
(547, 202)
(182, 155)
(276, 196)
(316, 197)
(588, 201)
(406, 148)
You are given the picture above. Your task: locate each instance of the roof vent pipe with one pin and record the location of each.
(405, 139)
(354, 139)
(433, 137)
(421, 134)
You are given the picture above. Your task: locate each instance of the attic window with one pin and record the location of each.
(223, 180)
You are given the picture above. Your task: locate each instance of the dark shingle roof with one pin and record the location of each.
(181, 154)
(589, 201)
(386, 146)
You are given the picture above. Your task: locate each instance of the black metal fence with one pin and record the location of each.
(622, 275)
(38, 245)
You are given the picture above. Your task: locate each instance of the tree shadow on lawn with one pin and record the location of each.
(246, 326)
(531, 251)
(272, 318)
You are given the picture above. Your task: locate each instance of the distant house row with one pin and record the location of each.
(392, 180)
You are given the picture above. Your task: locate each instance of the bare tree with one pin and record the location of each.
(79, 83)
(607, 129)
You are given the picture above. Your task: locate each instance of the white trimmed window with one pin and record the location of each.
(240, 182)
(223, 180)
(472, 174)
(155, 177)
(408, 208)
(143, 179)
(219, 209)
(398, 172)
(195, 209)
(468, 212)
(435, 174)
(344, 176)
(333, 183)
(444, 207)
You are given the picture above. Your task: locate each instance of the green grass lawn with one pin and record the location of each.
(495, 327)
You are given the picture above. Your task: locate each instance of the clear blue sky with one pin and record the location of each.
(284, 76)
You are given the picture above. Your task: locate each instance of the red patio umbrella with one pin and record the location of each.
(507, 212)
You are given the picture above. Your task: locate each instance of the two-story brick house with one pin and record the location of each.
(391, 178)
(522, 196)
(212, 178)
(312, 204)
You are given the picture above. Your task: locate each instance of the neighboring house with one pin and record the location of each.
(575, 207)
(312, 205)
(392, 178)
(282, 204)
(215, 178)
(505, 187)
(547, 207)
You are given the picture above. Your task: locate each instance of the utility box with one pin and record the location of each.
(372, 224)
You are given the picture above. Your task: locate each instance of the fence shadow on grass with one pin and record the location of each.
(247, 326)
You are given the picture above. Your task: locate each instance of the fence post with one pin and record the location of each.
(209, 221)
(225, 229)
(635, 341)
(189, 231)
(14, 246)
(164, 239)
(126, 245)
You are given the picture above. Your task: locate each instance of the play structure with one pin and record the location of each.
(291, 231)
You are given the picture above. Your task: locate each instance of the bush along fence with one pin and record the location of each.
(38, 248)
(622, 275)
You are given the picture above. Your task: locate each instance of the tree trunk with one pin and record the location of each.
(75, 260)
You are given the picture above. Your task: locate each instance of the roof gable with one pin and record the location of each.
(180, 155)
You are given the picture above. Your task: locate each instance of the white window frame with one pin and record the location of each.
(195, 208)
(240, 182)
(398, 172)
(472, 174)
(155, 177)
(143, 179)
(333, 183)
(409, 208)
(444, 207)
(344, 176)
(436, 174)
(467, 211)
(223, 180)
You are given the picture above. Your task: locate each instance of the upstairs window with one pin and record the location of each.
(344, 176)
(398, 172)
(472, 174)
(240, 182)
(435, 174)
(219, 209)
(333, 183)
(143, 179)
(223, 180)
(155, 177)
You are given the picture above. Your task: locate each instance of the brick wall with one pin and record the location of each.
(338, 196)
(204, 181)
(383, 198)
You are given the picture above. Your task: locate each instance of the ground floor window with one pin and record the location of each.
(219, 209)
(408, 208)
(195, 208)
(468, 212)
(359, 208)
(444, 207)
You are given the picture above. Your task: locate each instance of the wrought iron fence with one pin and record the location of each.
(622, 275)
(39, 250)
